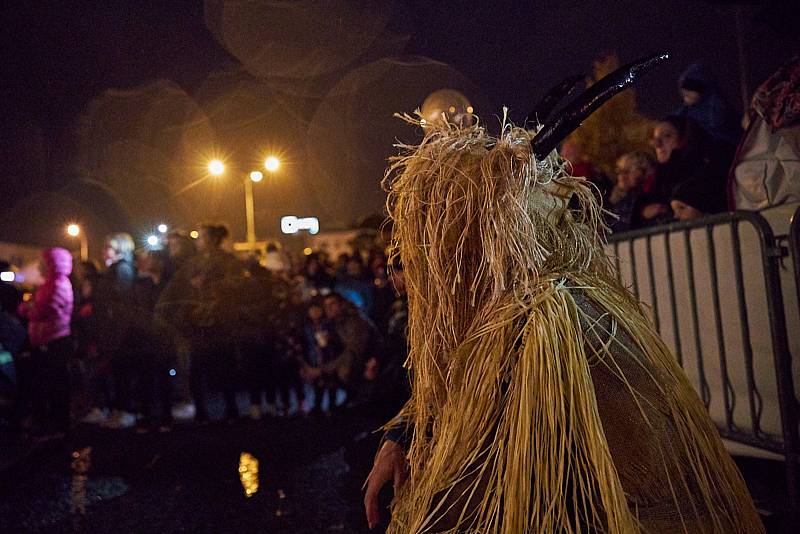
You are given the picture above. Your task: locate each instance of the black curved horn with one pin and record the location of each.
(552, 97)
(595, 96)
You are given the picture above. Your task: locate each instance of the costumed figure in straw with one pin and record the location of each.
(543, 400)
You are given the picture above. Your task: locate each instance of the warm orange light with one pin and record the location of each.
(272, 163)
(216, 167)
(307, 251)
(256, 176)
(194, 234)
(74, 230)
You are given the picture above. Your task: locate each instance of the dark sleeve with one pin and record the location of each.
(354, 335)
(125, 277)
(401, 432)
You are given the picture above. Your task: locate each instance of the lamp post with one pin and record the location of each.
(73, 230)
(271, 164)
(255, 177)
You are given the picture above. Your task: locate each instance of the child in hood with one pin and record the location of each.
(49, 313)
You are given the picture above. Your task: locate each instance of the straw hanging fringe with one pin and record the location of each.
(510, 437)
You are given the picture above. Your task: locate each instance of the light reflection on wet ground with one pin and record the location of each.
(45, 494)
(248, 473)
(81, 462)
(268, 476)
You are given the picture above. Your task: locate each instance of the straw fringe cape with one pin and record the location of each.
(543, 400)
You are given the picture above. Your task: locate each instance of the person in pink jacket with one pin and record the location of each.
(49, 313)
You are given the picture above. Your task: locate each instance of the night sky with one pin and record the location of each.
(110, 107)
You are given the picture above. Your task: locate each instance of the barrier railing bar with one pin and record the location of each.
(794, 247)
(744, 320)
(676, 331)
(728, 393)
(634, 274)
(651, 275)
(783, 362)
(705, 394)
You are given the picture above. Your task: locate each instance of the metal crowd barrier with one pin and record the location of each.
(706, 298)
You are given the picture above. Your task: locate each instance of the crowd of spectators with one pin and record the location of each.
(147, 338)
(690, 172)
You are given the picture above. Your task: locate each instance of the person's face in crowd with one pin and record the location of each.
(666, 139)
(333, 308)
(685, 212)
(629, 175)
(378, 267)
(315, 313)
(176, 247)
(86, 289)
(110, 255)
(143, 263)
(354, 268)
(690, 98)
(153, 268)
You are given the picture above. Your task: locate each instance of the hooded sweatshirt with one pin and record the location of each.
(50, 310)
(712, 112)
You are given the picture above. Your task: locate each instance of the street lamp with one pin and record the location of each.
(73, 230)
(271, 164)
(216, 167)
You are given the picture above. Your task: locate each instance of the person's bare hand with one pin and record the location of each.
(651, 211)
(390, 464)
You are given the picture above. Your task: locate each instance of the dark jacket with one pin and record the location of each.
(358, 340)
(686, 166)
(712, 112)
(628, 211)
(114, 305)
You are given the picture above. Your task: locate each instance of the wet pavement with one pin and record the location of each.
(294, 475)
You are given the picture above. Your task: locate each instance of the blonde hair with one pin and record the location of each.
(122, 244)
(641, 160)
